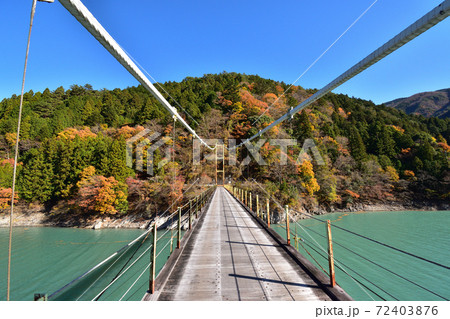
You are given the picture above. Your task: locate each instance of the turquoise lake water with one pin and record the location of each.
(425, 234)
(46, 259)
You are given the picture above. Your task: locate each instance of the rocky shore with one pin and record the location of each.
(21, 219)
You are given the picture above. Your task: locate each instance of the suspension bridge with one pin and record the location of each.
(227, 246)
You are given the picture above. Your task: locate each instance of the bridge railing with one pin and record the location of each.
(318, 245)
(130, 271)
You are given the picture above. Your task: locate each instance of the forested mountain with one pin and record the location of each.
(73, 146)
(428, 104)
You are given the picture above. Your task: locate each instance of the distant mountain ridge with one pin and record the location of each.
(428, 104)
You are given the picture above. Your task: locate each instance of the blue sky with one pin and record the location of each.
(176, 39)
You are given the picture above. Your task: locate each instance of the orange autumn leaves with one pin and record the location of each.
(5, 198)
(249, 108)
(252, 105)
(6, 168)
(71, 133)
(103, 195)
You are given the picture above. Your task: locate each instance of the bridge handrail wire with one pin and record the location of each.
(120, 251)
(126, 263)
(310, 245)
(354, 233)
(185, 213)
(376, 264)
(134, 283)
(366, 259)
(120, 274)
(379, 242)
(340, 265)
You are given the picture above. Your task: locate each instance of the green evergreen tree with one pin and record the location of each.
(35, 179)
(303, 129)
(357, 147)
(117, 161)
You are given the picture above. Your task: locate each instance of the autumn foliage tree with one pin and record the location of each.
(308, 180)
(5, 198)
(100, 194)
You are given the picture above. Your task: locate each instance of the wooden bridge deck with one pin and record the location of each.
(231, 257)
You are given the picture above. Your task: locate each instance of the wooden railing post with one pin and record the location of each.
(204, 200)
(257, 205)
(288, 233)
(201, 200)
(250, 201)
(196, 207)
(268, 213)
(190, 214)
(179, 228)
(151, 287)
(330, 255)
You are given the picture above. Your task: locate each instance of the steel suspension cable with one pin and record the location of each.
(317, 60)
(16, 153)
(438, 14)
(85, 17)
(160, 86)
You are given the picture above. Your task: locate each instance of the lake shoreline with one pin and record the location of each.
(25, 216)
(40, 218)
(379, 207)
